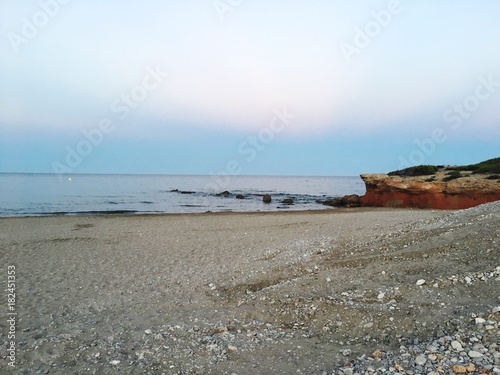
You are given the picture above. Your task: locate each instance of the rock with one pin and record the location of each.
(240, 196)
(456, 346)
(480, 321)
(346, 352)
(335, 202)
(495, 310)
(114, 362)
(474, 354)
(232, 348)
(470, 367)
(459, 369)
(420, 360)
(148, 332)
(287, 201)
(420, 282)
(351, 201)
(266, 198)
(224, 194)
(348, 371)
(396, 191)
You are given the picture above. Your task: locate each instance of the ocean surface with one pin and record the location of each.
(80, 194)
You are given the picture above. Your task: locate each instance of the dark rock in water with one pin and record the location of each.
(266, 198)
(287, 201)
(224, 194)
(335, 202)
(351, 201)
(181, 191)
(240, 196)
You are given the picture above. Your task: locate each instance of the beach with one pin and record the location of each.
(308, 292)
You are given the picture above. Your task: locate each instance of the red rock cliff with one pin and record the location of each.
(394, 191)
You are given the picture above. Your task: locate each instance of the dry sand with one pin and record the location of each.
(258, 293)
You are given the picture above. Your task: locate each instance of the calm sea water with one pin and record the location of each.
(46, 194)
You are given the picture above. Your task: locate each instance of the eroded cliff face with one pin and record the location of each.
(394, 191)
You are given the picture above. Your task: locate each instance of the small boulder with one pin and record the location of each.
(287, 201)
(224, 194)
(335, 202)
(351, 201)
(266, 198)
(240, 196)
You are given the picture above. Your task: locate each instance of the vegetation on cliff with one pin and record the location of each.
(491, 167)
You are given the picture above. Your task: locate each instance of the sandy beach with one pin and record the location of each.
(253, 293)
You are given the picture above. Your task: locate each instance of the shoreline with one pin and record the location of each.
(327, 210)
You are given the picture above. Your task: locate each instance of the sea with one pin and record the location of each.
(95, 194)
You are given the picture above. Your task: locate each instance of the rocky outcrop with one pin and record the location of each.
(352, 200)
(429, 191)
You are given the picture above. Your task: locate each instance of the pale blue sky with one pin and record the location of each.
(65, 66)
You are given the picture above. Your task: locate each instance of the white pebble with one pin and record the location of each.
(420, 282)
(456, 346)
(474, 354)
(114, 362)
(148, 332)
(420, 360)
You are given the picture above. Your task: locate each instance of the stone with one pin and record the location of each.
(420, 282)
(459, 369)
(224, 194)
(114, 362)
(266, 198)
(148, 332)
(336, 202)
(240, 196)
(470, 367)
(351, 201)
(420, 360)
(456, 346)
(287, 201)
(232, 348)
(348, 371)
(474, 354)
(480, 321)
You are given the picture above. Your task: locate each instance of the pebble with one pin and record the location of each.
(456, 346)
(114, 362)
(474, 354)
(420, 360)
(420, 282)
(459, 369)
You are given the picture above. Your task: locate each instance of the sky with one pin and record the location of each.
(250, 87)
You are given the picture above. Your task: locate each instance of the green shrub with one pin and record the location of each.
(453, 175)
(419, 170)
